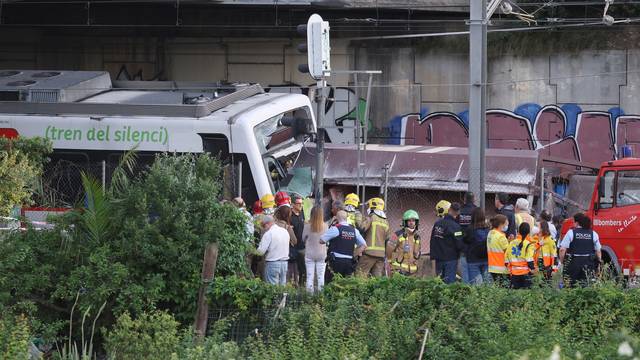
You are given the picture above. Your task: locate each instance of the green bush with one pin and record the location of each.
(137, 246)
(156, 335)
(21, 162)
(14, 337)
(152, 335)
(387, 319)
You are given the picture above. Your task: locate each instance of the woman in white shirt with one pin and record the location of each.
(315, 252)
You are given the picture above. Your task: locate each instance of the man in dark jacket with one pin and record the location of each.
(504, 208)
(297, 221)
(465, 223)
(446, 244)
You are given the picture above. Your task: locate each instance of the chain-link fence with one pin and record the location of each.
(237, 324)
(61, 182)
(60, 185)
(417, 178)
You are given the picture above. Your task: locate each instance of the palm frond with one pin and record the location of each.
(124, 170)
(95, 218)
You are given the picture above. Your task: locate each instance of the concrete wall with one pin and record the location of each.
(414, 80)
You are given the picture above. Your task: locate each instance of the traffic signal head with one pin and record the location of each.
(317, 47)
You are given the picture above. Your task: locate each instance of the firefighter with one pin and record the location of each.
(519, 258)
(377, 233)
(442, 208)
(282, 199)
(547, 256)
(582, 245)
(354, 217)
(257, 208)
(403, 248)
(426, 266)
(446, 242)
(497, 244)
(268, 204)
(268, 207)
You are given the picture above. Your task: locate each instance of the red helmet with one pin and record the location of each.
(282, 199)
(257, 207)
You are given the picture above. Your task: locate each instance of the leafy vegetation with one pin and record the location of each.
(388, 318)
(21, 162)
(136, 247)
(14, 337)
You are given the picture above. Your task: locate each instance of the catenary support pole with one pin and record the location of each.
(477, 97)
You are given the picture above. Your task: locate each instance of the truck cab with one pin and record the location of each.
(614, 211)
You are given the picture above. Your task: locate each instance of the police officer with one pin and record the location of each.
(342, 239)
(446, 244)
(404, 245)
(582, 245)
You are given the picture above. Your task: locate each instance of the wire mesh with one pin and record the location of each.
(241, 324)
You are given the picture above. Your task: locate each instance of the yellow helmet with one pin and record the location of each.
(442, 208)
(268, 201)
(352, 199)
(376, 204)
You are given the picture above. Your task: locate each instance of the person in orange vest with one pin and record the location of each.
(497, 244)
(519, 258)
(547, 255)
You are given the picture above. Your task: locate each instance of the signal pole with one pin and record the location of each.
(321, 99)
(318, 66)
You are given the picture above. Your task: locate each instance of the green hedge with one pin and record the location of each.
(386, 319)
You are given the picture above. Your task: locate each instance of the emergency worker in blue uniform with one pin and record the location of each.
(580, 251)
(344, 241)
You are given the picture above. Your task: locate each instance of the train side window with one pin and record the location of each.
(607, 190)
(217, 145)
(628, 191)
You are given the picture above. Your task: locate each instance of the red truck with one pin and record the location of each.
(615, 213)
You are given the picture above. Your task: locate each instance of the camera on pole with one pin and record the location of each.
(317, 47)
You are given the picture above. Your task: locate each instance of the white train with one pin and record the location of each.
(89, 118)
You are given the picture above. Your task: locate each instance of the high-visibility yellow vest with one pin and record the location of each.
(524, 217)
(497, 244)
(548, 252)
(518, 257)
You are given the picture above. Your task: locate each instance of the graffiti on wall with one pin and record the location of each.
(341, 110)
(136, 73)
(560, 131)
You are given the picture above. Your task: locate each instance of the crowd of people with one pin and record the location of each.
(507, 249)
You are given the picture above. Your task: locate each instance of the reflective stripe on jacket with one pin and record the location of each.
(517, 257)
(377, 233)
(548, 252)
(401, 259)
(497, 244)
